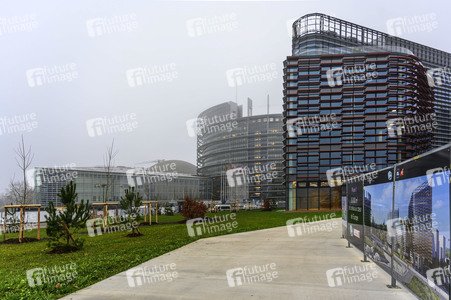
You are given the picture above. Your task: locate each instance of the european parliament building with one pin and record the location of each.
(242, 155)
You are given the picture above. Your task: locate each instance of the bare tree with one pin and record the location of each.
(3, 201)
(20, 193)
(16, 191)
(108, 161)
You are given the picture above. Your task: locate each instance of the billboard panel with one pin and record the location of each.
(355, 213)
(421, 224)
(378, 199)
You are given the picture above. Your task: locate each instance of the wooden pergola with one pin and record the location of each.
(234, 205)
(212, 206)
(22, 213)
(105, 211)
(150, 211)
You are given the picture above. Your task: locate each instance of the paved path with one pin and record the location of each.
(301, 263)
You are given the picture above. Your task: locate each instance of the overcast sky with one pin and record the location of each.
(148, 67)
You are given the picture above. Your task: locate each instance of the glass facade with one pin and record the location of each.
(344, 91)
(253, 142)
(92, 185)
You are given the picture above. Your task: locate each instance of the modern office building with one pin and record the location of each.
(242, 155)
(356, 99)
(167, 180)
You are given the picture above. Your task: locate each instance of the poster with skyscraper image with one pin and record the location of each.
(422, 228)
(417, 228)
(378, 205)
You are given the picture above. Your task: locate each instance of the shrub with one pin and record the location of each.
(169, 210)
(193, 209)
(266, 205)
(273, 204)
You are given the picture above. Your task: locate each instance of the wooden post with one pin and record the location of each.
(117, 212)
(150, 213)
(4, 224)
(20, 225)
(93, 211)
(105, 217)
(156, 212)
(145, 213)
(68, 231)
(39, 223)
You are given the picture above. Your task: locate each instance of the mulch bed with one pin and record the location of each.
(62, 250)
(134, 234)
(24, 240)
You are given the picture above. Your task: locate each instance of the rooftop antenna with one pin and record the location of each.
(267, 100)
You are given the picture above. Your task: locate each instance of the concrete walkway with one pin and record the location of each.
(301, 265)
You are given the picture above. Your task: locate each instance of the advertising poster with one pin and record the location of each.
(421, 225)
(378, 198)
(355, 213)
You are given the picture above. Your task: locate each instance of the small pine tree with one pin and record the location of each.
(131, 204)
(169, 210)
(73, 217)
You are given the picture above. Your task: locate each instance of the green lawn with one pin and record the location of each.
(108, 254)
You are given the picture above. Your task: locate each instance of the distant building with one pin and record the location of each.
(163, 181)
(438, 245)
(241, 154)
(442, 248)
